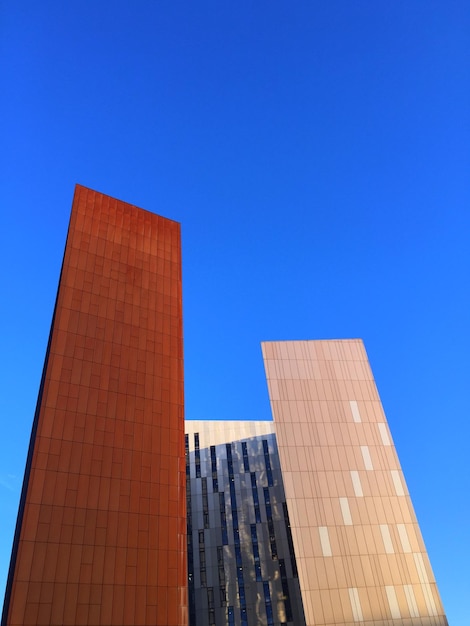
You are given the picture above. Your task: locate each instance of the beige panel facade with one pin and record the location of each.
(359, 550)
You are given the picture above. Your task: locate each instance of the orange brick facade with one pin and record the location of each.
(101, 532)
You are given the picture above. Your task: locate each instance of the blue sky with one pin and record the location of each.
(317, 155)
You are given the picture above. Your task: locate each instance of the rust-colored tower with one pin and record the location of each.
(100, 537)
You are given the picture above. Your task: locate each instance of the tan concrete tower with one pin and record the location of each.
(359, 550)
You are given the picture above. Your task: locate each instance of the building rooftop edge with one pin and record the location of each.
(107, 195)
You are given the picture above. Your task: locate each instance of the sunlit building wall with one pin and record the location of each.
(101, 531)
(359, 551)
(304, 520)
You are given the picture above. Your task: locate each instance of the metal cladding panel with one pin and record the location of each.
(358, 547)
(101, 530)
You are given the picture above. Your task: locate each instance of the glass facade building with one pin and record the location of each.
(241, 563)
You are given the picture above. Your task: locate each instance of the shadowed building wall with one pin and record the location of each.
(100, 537)
(241, 565)
(359, 550)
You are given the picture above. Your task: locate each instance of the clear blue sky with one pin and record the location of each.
(317, 154)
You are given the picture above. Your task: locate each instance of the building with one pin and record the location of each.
(241, 561)
(101, 530)
(305, 520)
